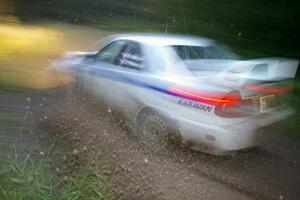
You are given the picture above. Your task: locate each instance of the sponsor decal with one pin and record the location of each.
(195, 105)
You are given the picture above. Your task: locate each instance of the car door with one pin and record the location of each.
(119, 80)
(101, 80)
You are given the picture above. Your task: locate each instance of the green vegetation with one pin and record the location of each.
(12, 90)
(37, 175)
(253, 28)
(295, 129)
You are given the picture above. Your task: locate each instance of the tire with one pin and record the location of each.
(154, 132)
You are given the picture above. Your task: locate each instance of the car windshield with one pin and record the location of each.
(199, 52)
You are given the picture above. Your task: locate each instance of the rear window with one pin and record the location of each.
(204, 60)
(199, 52)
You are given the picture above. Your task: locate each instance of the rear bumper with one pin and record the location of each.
(218, 139)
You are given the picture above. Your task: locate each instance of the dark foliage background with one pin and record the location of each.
(254, 28)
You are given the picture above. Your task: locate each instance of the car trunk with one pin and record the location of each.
(268, 96)
(264, 85)
(267, 83)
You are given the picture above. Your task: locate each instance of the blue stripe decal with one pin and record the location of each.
(134, 78)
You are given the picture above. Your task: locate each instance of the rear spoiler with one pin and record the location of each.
(260, 70)
(281, 67)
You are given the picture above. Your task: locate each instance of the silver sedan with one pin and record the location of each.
(188, 88)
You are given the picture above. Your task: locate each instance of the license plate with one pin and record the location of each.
(267, 103)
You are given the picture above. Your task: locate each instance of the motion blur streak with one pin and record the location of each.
(27, 49)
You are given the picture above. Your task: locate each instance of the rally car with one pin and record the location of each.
(189, 88)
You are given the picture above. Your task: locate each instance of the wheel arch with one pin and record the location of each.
(163, 114)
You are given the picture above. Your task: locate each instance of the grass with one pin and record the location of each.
(8, 89)
(6, 130)
(26, 177)
(295, 130)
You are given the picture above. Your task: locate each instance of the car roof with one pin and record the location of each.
(165, 39)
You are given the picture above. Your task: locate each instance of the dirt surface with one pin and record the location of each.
(269, 172)
(20, 117)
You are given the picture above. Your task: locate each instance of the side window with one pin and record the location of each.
(189, 52)
(197, 53)
(109, 53)
(131, 56)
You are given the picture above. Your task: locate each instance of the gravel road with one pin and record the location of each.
(271, 171)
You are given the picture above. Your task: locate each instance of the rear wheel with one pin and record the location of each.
(153, 131)
(156, 133)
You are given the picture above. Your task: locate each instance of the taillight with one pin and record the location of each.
(243, 108)
(216, 99)
(265, 89)
(226, 105)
